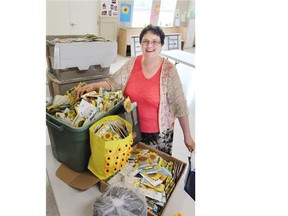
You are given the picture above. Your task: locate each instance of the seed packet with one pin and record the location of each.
(78, 121)
(159, 187)
(128, 105)
(153, 194)
(150, 180)
(85, 109)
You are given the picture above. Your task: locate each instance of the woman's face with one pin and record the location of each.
(151, 44)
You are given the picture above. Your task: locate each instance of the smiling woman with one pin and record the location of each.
(154, 84)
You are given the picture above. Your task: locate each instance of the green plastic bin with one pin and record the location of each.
(70, 145)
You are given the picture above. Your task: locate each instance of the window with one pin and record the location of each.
(141, 13)
(167, 11)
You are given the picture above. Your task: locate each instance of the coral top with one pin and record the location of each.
(146, 92)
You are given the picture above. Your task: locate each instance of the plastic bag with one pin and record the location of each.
(118, 201)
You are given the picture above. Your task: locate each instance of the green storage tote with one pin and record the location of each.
(70, 145)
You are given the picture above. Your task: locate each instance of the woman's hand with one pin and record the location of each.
(189, 142)
(84, 89)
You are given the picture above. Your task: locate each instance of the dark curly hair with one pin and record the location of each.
(155, 30)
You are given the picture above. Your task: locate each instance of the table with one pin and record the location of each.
(180, 56)
(74, 202)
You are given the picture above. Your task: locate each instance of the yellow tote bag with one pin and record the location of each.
(107, 157)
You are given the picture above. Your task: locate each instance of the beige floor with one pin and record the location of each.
(179, 150)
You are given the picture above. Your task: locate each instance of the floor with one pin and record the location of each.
(179, 149)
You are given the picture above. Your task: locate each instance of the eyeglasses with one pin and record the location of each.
(147, 42)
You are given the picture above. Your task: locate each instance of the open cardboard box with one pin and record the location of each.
(104, 185)
(79, 180)
(85, 180)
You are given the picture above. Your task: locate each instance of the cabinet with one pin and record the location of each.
(108, 27)
(125, 34)
(172, 41)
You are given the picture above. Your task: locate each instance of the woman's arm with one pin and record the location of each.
(188, 140)
(115, 82)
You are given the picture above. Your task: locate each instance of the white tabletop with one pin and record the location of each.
(180, 56)
(74, 202)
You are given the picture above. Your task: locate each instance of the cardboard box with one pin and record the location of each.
(104, 185)
(78, 180)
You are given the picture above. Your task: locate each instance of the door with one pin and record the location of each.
(72, 17)
(57, 18)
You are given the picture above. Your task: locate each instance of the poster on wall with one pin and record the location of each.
(109, 8)
(155, 14)
(125, 12)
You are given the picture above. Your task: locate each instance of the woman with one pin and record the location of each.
(153, 82)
